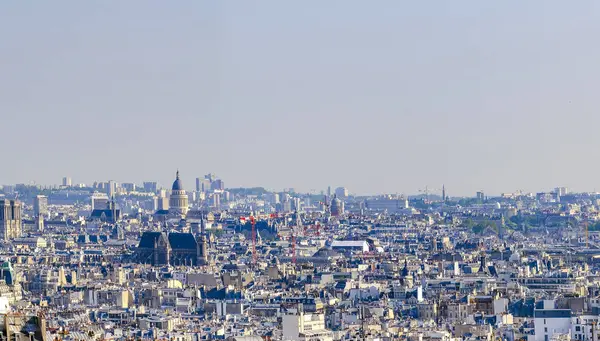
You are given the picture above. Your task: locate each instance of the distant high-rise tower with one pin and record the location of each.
(216, 201)
(40, 206)
(67, 182)
(178, 201)
(561, 191)
(275, 198)
(444, 193)
(112, 188)
(10, 219)
(205, 185)
(217, 185)
(210, 177)
(480, 196)
(341, 192)
(296, 204)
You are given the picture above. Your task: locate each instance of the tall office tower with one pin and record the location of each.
(192, 197)
(296, 205)
(217, 185)
(273, 198)
(205, 185)
(112, 188)
(341, 192)
(10, 219)
(287, 206)
(216, 200)
(444, 193)
(40, 206)
(480, 196)
(198, 185)
(67, 181)
(210, 177)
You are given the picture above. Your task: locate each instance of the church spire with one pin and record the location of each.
(113, 208)
(443, 193)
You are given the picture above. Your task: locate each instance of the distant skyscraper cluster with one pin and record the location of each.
(209, 183)
(67, 182)
(341, 192)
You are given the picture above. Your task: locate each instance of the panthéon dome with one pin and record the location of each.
(177, 185)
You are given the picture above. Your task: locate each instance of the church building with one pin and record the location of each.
(178, 201)
(171, 248)
(174, 248)
(10, 219)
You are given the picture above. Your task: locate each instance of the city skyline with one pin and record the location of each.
(275, 170)
(385, 98)
(427, 190)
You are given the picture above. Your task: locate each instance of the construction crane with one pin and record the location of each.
(294, 231)
(253, 224)
(428, 190)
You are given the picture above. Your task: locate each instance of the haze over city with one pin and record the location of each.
(380, 97)
(279, 170)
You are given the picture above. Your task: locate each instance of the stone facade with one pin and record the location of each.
(178, 201)
(162, 248)
(10, 219)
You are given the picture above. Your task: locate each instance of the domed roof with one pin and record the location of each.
(177, 185)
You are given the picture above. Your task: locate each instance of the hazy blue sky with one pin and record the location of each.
(378, 96)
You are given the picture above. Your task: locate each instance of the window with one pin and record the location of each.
(545, 337)
(578, 328)
(544, 321)
(545, 330)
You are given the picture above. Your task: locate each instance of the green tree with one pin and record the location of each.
(482, 226)
(468, 223)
